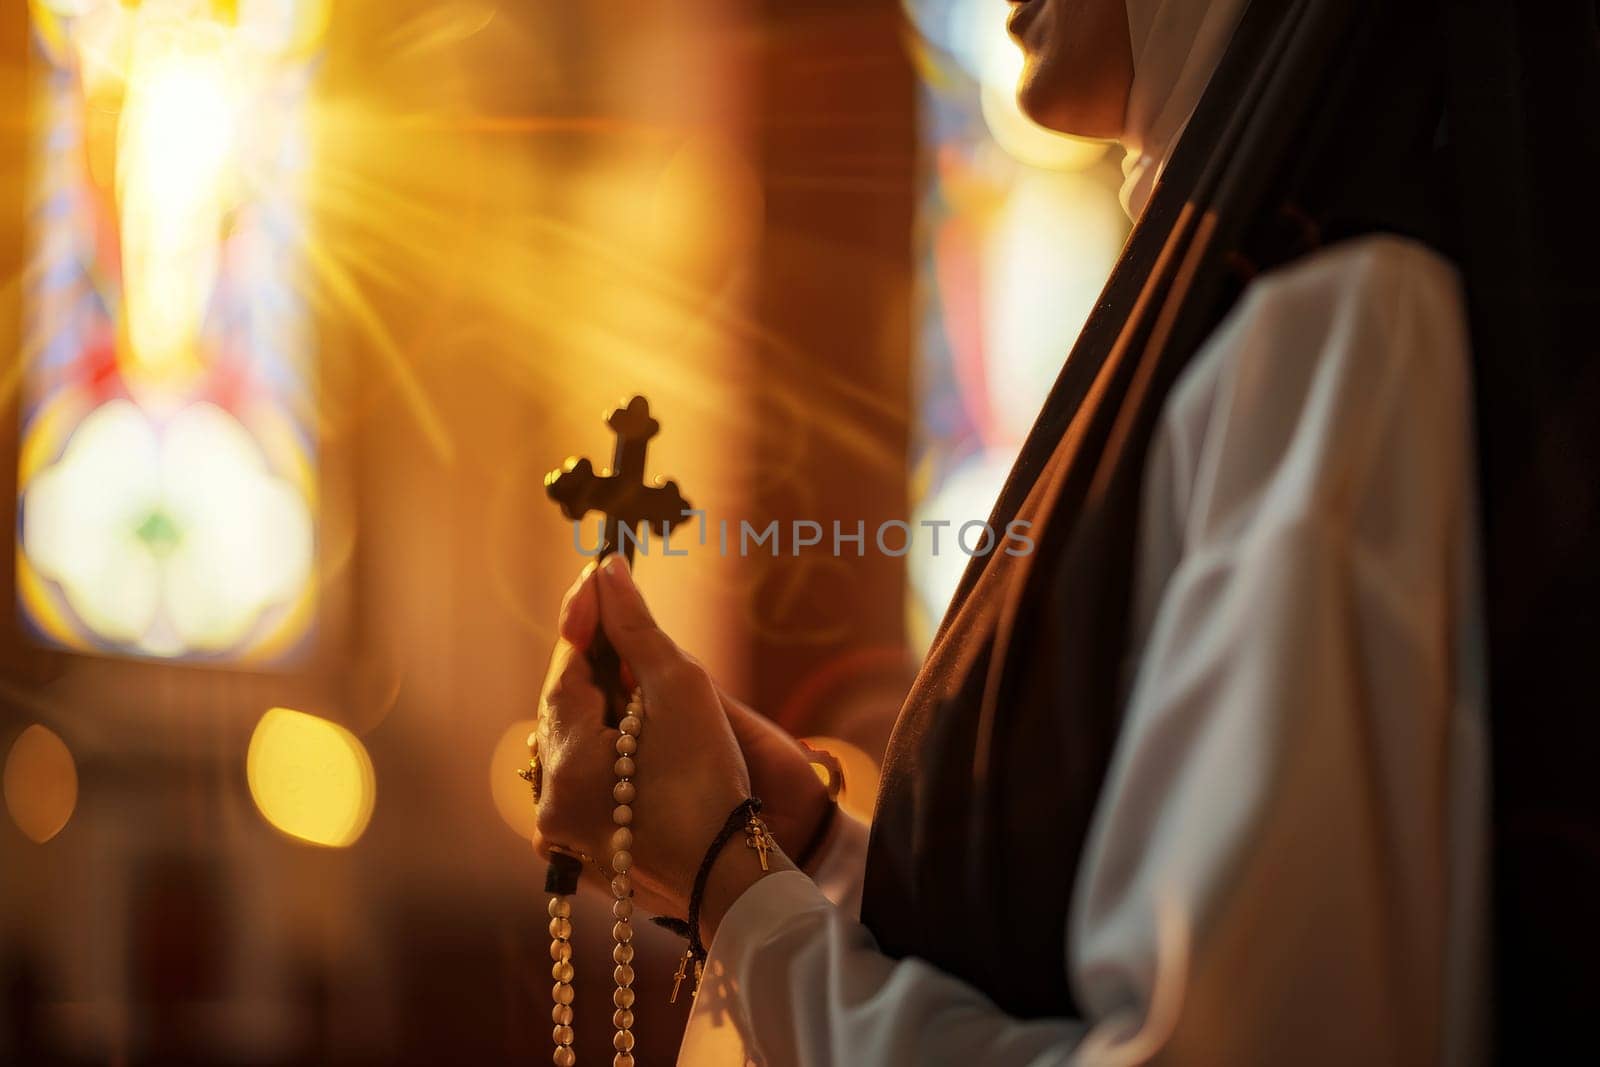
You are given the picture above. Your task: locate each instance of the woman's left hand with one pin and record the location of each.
(688, 772)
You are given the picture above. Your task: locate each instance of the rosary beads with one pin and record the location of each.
(743, 819)
(623, 794)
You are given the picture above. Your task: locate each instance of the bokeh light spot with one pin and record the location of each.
(310, 778)
(41, 783)
(861, 775)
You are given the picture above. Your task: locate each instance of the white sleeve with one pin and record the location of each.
(1285, 864)
(1286, 861)
(792, 982)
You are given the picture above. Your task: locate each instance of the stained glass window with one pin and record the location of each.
(1018, 229)
(167, 471)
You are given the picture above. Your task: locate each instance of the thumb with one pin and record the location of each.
(580, 610)
(647, 651)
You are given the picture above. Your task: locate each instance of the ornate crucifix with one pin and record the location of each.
(621, 494)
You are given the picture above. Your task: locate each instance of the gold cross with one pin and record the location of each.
(757, 837)
(531, 775)
(677, 979)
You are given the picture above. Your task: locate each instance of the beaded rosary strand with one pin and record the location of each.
(623, 793)
(744, 818)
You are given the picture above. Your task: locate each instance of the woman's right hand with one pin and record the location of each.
(794, 800)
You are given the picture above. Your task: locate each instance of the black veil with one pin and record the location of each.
(1471, 125)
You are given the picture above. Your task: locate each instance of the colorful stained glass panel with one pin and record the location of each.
(167, 482)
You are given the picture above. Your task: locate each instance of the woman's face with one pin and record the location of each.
(1078, 64)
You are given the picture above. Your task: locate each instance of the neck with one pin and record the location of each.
(1176, 48)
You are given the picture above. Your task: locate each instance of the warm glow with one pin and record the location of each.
(1027, 142)
(311, 778)
(1046, 256)
(167, 468)
(82, 517)
(175, 183)
(169, 540)
(860, 771)
(969, 489)
(512, 797)
(41, 783)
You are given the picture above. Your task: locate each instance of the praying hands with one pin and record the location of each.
(693, 756)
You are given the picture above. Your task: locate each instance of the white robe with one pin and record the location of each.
(1287, 863)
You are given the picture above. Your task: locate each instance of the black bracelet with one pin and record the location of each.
(818, 836)
(746, 810)
(735, 822)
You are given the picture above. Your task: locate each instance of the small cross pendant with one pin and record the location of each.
(757, 837)
(677, 978)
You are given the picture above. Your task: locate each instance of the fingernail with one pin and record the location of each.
(583, 576)
(615, 567)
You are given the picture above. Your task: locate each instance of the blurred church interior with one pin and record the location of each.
(299, 302)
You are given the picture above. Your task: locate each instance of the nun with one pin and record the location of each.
(1275, 749)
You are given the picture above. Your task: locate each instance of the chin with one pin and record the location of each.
(1054, 103)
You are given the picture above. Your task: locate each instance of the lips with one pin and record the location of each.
(1022, 15)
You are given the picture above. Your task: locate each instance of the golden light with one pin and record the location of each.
(175, 183)
(1046, 254)
(172, 514)
(512, 798)
(310, 778)
(706, 213)
(861, 775)
(1027, 142)
(41, 783)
